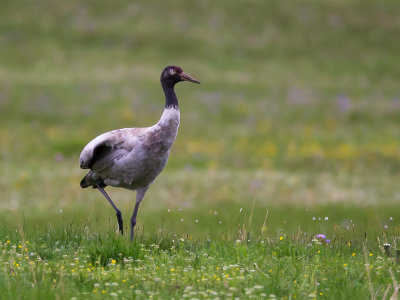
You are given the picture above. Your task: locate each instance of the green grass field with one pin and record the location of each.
(294, 132)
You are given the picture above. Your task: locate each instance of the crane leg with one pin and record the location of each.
(117, 211)
(139, 197)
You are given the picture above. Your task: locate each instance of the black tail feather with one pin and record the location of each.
(84, 182)
(88, 181)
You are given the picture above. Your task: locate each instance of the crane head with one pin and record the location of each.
(173, 74)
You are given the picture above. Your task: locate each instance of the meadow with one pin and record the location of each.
(282, 183)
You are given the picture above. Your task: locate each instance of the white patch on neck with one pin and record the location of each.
(169, 114)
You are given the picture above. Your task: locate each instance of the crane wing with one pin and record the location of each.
(102, 151)
(104, 157)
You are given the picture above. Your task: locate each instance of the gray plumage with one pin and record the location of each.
(132, 158)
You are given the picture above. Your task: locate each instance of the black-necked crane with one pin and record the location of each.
(132, 158)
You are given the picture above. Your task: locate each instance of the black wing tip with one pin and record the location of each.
(84, 165)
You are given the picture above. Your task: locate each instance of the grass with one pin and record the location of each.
(297, 117)
(71, 261)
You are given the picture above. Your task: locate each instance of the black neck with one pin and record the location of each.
(171, 101)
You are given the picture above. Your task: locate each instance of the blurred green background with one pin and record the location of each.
(298, 110)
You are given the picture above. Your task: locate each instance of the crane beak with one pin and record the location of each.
(186, 77)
